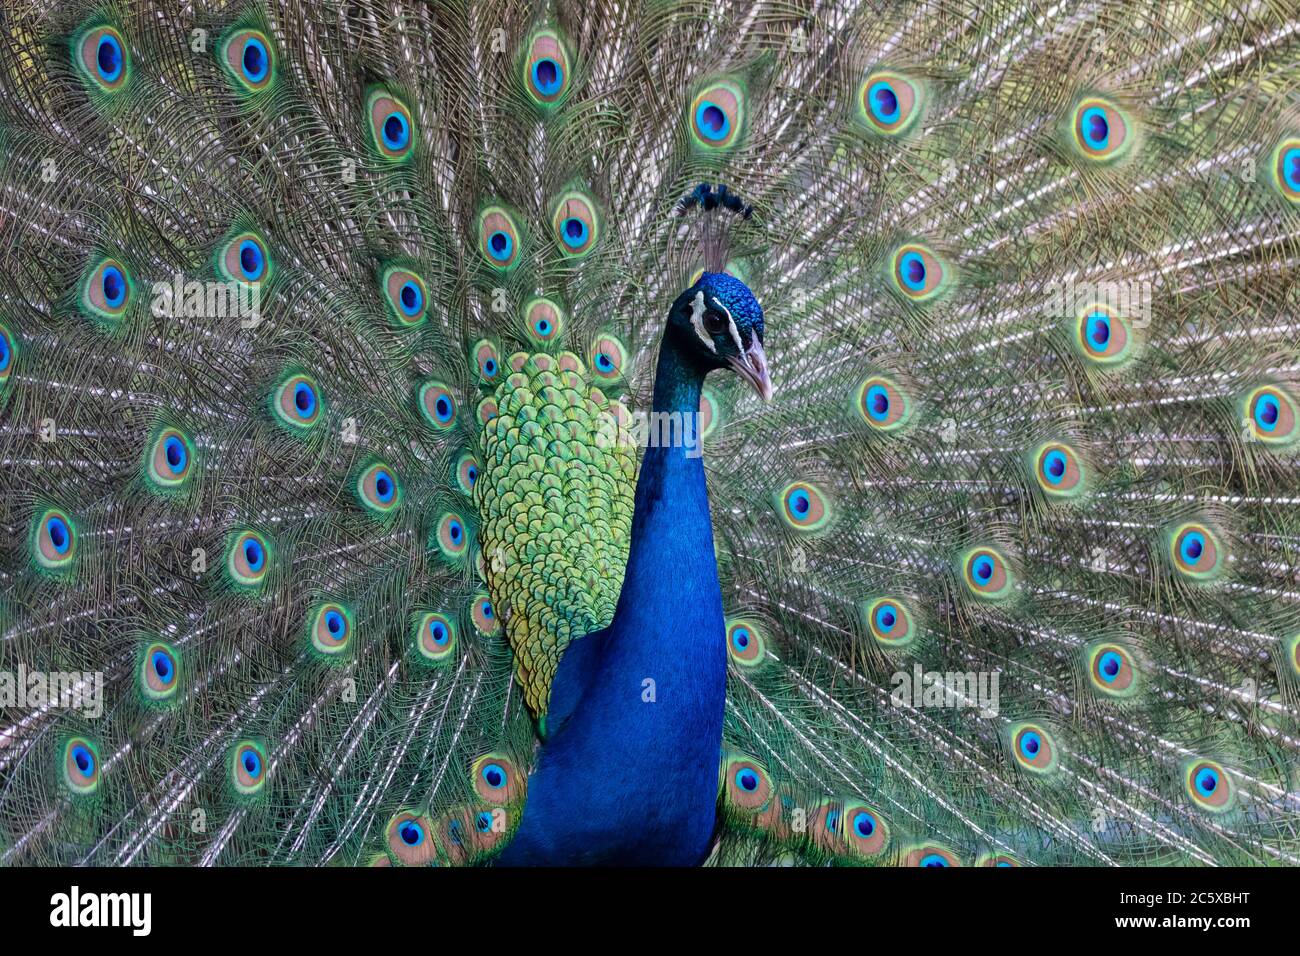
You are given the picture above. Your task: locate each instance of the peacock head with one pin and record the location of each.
(721, 324)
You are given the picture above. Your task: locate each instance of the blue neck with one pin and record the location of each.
(630, 775)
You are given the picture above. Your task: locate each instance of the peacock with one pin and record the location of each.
(652, 432)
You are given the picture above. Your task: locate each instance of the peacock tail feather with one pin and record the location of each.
(323, 328)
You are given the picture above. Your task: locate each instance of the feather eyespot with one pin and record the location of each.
(1270, 415)
(883, 404)
(1003, 860)
(487, 361)
(865, 830)
(717, 115)
(378, 489)
(986, 574)
(170, 460)
(107, 290)
(8, 354)
(890, 621)
(81, 766)
(1033, 748)
(248, 58)
(1291, 653)
(745, 644)
(546, 68)
(435, 637)
(1058, 470)
(576, 224)
(746, 785)
(1111, 670)
(484, 615)
(1103, 335)
(497, 780)
(392, 130)
(159, 672)
(330, 629)
(931, 856)
(406, 295)
(244, 258)
(498, 238)
(248, 767)
(608, 357)
(710, 412)
(543, 320)
(803, 506)
(410, 839)
(248, 559)
(1286, 168)
(889, 103)
(438, 405)
(1195, 551)
(297, 402)
(102, 57)
(451, 536)
(918, 272)
(54, 540)
(467, 471)
(1209, 785)
(1101, 131)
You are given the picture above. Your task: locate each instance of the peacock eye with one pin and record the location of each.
(714, 322)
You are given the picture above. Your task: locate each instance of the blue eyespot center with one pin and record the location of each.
(83, 758)
(384, 486)
(1193, 546)
(60, 537)
(443, 409)
(547, 76)
(114, 285)
(799, 503)
(472, 474)
(877, 403)
(1291, 163)
(487, 609)
(912, 270)
(108, 58)
(1110, 666)
(1207, 781)
(304, 399)
(454, 532)
(983, 570)
(746, 779)
(863, 824)
(438, 631)
(604, 362)
(1095, 127)
(1267, 412)
(886, 617)
(499, 245)
(574, 232)
(494, 775)
(543, 327)
(250, 260)
(884, 102)
(933, 860)
(334, 623)
(712, 121)
(489, 367)
(1030, 744)
(740, 638)
(162, 666)
(253, 554)
(411, 833)
(255, 60)
(252, 763)
(1098, 329)
(396, 131)
(483, 822)
(174, 451)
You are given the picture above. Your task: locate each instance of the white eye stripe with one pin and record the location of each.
(731, 327)
(697, 321)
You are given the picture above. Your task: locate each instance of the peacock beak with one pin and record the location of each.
(751, 365)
